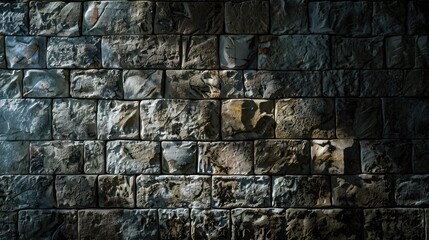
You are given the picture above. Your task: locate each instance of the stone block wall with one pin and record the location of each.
(253, 119)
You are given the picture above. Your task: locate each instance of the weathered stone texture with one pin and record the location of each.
(422, 52)
(241, 191)
(142, 84)
(210, 224)
(289, 16)
(293, 52)
(192, 84)
(14, 18)
(305, 118)
(225, 157)
(104, 84)
(2, 53)
(55, 18)
(14, 157)
(357, 53)
(379, 83)
(93, 157)
(247, 17)
(420, 156)
(77, 52)
(46, 83)
(340, 83)
(389, 17)
(200, 52)
(400, 52)
(301, 191)
(173, 191)
(412, 190)
(179, 119)
(116, 191)
(118, 119)
(238, 52)
(174, 224)
(112, 17)
(231, 83)
(76, 191)
(25, 52)
(179, 157)
(10, 83)
(418, 17)
(9, 228)
(133, 157)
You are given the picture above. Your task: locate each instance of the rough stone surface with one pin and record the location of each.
(241, 191)
(210, 224)
(238, 52)
(412, 190)
(55, 18)
(76, 191)
(247, 17)
(174, 224)
(192, 84)
(389, 17)
(305, 118)
(25, 52)
(118, 119)
(25, 119)
(282, 157)
(14, 157)
(422, 52)
(179, 157)
(133, 157)
(142, 84)
(301, 191)
(400, 52)
(357, 53)
(104, 84)
(379, 83)
(14, 18)
(77, 52)
(8, 229)
(200, 52)
(231, 82)
(362, 191)
(116, 191)
(340, 83)
(2, 53)
(293, 52)
(46, 83)
(93, 157)
(10, 83)
(420, 156)
(225, 157)
(289, 16)
(173, 191)
(179, 120)
(112, 17)
(419, 22)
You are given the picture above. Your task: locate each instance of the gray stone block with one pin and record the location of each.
(55, 18)
(247, 119)
(324, 224)
(116, 191)
(389, 17)
(400, 51)
(179, 157)
(412, 190)
(10, 83)
(247, 17)
(192, 84)
(179, 119)
(420, 156)
(174, 224)
(289, 16)
(238, 51)
(2, 53)
(48, 224)
(142, 84)
(231, 83)
(241, 191)
(118, 119)
(340, 83)
(200, 52)
(9, 229)
(133, 157)
(282, 157)
(25, 52)
(301, 191)
(359, 118)
(378, 83)
(210, 224)
(189, 17)
(397, 223)
(305, 118)
(76, 191)
(93, 157)
(77, 52)
(362, 190)
(225, 157)
(26, 191)
(418, 20)
(367, 53)
(46, 83)
(56, 157)
(173, 191)
(258, 224)
(422, 52)
(117, 224)
(94, 83)
(293, 52)
(112, 18)
(25, 119)
(141, 51)
(14, 18)
(14, 157)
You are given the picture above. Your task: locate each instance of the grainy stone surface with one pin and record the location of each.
(94, 83)
(419, 22)
(231, 82)
(422, 52)
(225, 157)
(192, 84)
(379, 83)
(10, 83)
(8, 229)
(2, 53)
(210, 224)
(412, 190)
(77, 52)
(400, 52)
(118, 119)
(93, 157)
(200, 52)
(116, 191)
(174, 224)
(14, 157)
(289, 16)
(25, 52)
(389, 17)
(238, 51)
(46, 83)
(142, 84)
(179, 157)
(76, 191)
(340, 83)
(366, 53)
(247, 17)
(14, 18)
(301, 191)
(420, 156)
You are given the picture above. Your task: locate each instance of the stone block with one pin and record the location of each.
(225, 157)
(116, 191)
(340, 83)
(359, 118)
(179, 157)
(192, 84)
(56, 157)
(378, 83)
(173, 191)
(25, 52)
(94, 83)
(367, 53)
(366, 191)
(2, 53)
(247, 119)
(400, 51)
(26, 191)
(422, 52)
(282, 84)
(46, 83)
(258, 224)
(189, 18)
(142, 84)
(305, 118)
(141, 51)
(14, 157)
(9, 229)
(293, 52)
(14, 18)
(241, 191)
(76, 191)
(289, 16)
(55, 18)
(177, 119)
(25, 119)
(10, 83)
(115, 18)
(420, 156)
(210, 224)
(246, 17)
(133, 157)
(200, 52)
(118, 119)
(238, 51)
(174, 224)
(418, 20)
(93, 157)
(77, 52)
(282, 157)
(301, 191)
(412, 190)
(231, 83)
(389, 17)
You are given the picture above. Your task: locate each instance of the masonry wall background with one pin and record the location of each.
(281, 119)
